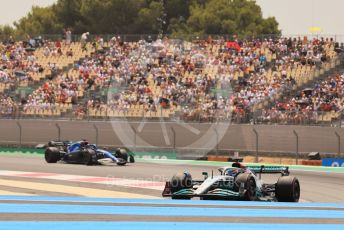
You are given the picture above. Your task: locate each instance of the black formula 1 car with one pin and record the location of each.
(237, 182)
(81, 152)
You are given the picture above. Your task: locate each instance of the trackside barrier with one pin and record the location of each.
(312, 162)
(333, 162)
(21, 151)
(196, 136)
(155, 155)
(224, 158)
(218, 158)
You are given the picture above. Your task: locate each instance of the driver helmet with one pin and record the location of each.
(83, 143)
(231, 172)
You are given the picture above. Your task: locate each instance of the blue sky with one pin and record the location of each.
(294, 16)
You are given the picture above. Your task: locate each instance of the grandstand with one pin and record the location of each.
(28, 68)
(323, 102)
(200, 80)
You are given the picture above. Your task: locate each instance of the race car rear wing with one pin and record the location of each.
(284, 170)
(53, 144)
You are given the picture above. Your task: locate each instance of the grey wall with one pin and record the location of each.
(272, 138)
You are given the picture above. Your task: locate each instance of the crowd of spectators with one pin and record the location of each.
(8, 107)
(64, 87)
(187, 75)
(310, 104)
(202, 80)
(18, 61)
(287, 54)
(59, 90)
(152, 73)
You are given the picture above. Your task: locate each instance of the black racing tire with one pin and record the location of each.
(131, 159)
(89, 157)
(181, 181)
(52, 155)
(122, 156)
(288, 189)
(249, 185)
(122, 153)
(121, 162)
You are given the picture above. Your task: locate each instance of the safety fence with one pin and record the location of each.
(312, 118)
(188, 141)
(188, 37)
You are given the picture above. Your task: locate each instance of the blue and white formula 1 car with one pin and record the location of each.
(81, 152)
(237, 182)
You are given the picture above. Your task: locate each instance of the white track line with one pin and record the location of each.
(109, 180)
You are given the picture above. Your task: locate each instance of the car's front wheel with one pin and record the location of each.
(121, 162)
(131, 159)
(249, 185)
(179, 182)
(122, 156)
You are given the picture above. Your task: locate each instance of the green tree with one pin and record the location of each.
(108, 16)
(179, 17)
(147, 20)
(68, 13)
(41, 20)
(5, 32)
(242, 17)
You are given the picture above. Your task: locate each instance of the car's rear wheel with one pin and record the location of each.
(179, 182)
(249, 185)
(52, 155)
(288, 189)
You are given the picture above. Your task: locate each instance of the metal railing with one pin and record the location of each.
(188, 37)
(314, 118)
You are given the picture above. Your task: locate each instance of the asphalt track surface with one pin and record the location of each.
(315, 186)
(61, 210)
